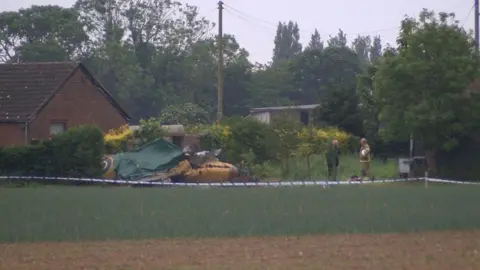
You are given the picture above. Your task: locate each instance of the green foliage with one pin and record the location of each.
(339, 41)
(41, 33)
(288, 135)
(368, 106)
(157, 56)
(328, 77)
(184, 114)
(65, 213)
(421, 88)
(316, 42)
(287, 41)
(252, 135)
(243, 139)
(349, 166)
(76, 153)
(149, 130)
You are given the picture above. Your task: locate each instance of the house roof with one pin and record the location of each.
(26, 88)
(284, 108)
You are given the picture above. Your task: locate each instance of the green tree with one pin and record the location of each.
(328, 78)
(422, 86)
(367, 103)
(270, 85)
(361, 45)
(287, 41)
(308, 77)
(42, 33)
(375, 49)
(142, 50)
(316, 41)
(340, 40)
(149, 130)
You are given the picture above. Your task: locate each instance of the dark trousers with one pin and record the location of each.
(332, 172)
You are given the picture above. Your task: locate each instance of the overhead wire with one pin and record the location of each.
(248, 19)
(244, 16)
(270, 31)
(468, 15)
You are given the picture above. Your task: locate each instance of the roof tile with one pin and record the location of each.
(24, 87)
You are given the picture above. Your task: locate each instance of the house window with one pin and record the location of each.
(57, 127)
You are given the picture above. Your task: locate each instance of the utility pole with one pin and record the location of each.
(477, 30)
(220, 62)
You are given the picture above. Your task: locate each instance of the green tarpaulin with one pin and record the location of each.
(157, 156)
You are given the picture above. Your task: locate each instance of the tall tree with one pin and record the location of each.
(157, 37)
(361, 45)
(271, 85)
(339, 104)
(41, 33)
(287, 41)
(375, 49)
(422, 87)
(316, 41)
(328, 77)
(368, 106)
(340, 40)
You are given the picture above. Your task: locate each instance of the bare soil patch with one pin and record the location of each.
(432, 250)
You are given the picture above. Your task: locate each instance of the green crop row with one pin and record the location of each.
(62, 213)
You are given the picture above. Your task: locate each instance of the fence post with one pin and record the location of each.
(426, 179)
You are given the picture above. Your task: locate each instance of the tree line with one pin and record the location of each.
(155, 53)
(159, 57)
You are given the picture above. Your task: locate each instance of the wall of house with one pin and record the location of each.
(11, 134)
(262, 116)
(77, 103)
(289, 115)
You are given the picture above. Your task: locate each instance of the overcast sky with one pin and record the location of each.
(253, 22)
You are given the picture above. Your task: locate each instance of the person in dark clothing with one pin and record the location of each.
(333, 160)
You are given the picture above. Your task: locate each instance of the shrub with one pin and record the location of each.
(75, 153)
(237, 136)
(149, 130)
(123, 138)
(240, 136)
(116, 140)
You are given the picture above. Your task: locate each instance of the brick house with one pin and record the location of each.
(38, 100)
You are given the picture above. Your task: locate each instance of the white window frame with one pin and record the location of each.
(57, 127)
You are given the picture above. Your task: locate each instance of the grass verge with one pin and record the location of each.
(349, 166)
(95, 213)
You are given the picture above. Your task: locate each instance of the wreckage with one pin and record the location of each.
(161, 160)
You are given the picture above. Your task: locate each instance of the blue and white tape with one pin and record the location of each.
(230, 184)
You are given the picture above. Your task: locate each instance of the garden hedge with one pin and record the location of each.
(77, 152)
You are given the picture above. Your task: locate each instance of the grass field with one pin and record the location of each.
(95, 213)
(349, 166)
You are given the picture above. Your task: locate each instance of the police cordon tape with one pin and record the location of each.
(228, 184)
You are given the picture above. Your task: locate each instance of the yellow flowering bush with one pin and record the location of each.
(303, 141)
(213, 136)
(197, 129)
(315, 141)
(116, 140)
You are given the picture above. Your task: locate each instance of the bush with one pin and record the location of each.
(75, 153)
(149, 130)
(242, 139)
(124, 139)
(238, 136)
(116, 140)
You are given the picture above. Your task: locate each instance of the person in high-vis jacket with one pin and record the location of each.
(365, 158)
